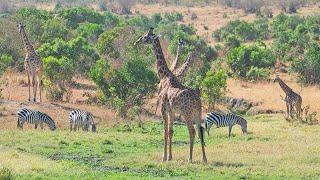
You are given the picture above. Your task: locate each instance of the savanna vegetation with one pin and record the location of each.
(75, 41)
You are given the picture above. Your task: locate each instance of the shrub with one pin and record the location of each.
(244, 30)
(213, 87)
(74, 16)
(242, 58)
(89, 30)
(194, 16)
(5, 61)
(256, 74)
(57, 75)
(6, 174)
(308, 67)
(102, 5)
(125, 87)
(174, 16)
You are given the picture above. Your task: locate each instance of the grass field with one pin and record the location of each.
(273, 148)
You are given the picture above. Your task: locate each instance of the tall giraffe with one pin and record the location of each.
(176, 99)
(32, 64)
(179, 73)
(180, 48)
(293, 100)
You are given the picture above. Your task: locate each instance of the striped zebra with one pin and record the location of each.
(34, 117)
(223, 120)
(83, 119)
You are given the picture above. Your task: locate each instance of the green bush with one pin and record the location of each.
(89, 30)
(213, 87)
(256, 74)
(125, 87)
(242, 58)
(5, 61)
(308, 67)
(259, 29)
(57, 75)
(6, 174)
(74, 16)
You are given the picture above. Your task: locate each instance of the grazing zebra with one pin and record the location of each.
(223, 120)
(82, 119)
(34, 117)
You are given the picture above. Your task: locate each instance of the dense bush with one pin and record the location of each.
(243, 58)
(125, 87)
(256, 74)
(74, 16)
(213, 87)
(308, 67)
(57, 75)
(244, 30)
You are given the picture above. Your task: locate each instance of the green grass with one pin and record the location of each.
(273, 149)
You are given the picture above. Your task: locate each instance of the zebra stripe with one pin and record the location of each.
(223, 120)
(79, 118)
(34, 117)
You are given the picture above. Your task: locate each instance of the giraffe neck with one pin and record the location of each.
(27, 45)
(284, 87)
(181, 72)
(162, 67)
(175, 62)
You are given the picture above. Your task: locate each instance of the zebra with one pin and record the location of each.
(223, 120)
(34, 117)
(84, 119)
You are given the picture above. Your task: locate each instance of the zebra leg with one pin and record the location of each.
(75, 127)
(41, 125)
(170, 128)
(192, 134)
(165, 127)
(230, 128)
(35, 126)
(70, 127)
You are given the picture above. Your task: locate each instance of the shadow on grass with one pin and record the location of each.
(222, 164)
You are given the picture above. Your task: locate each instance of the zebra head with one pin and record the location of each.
(19, 123)
(94, 127)
(50, 122)
(243, 123)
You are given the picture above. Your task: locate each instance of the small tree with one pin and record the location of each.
(213, 87)
(57, 75)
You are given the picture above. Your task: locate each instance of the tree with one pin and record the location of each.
(57, 75)
(213, 87)
(243, 58)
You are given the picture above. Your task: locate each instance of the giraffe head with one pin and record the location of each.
(21, 27)
(149, 37)
(276, 79)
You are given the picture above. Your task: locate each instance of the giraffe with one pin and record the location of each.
(176, 99)
(179, 73)
(293, 100)
(32, 64)
(180, 48)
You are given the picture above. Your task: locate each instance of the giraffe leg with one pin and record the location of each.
(29, 84)
(192, 134)
(288, 110)
(40, 87)
(201, 136)
(165, 127)
(170, 128)
(35, 84)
